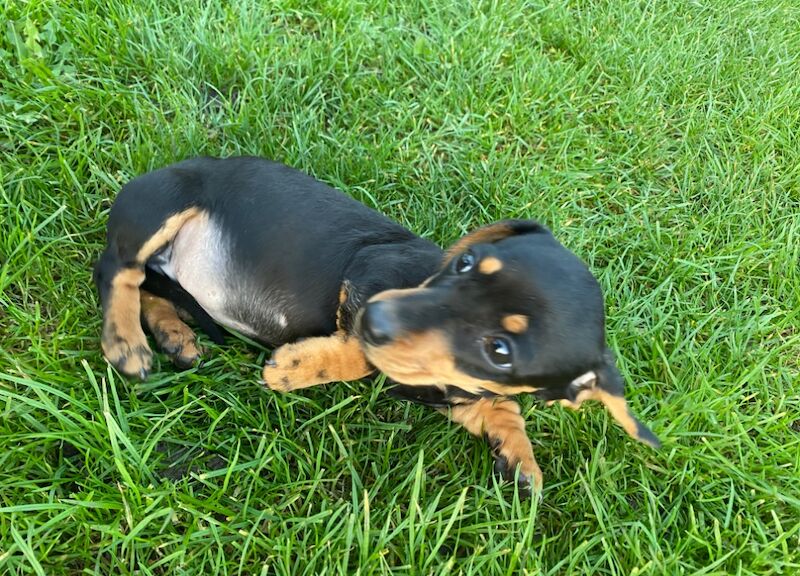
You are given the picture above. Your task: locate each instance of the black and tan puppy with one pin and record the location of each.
(341, 291)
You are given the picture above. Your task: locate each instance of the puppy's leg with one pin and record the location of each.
(123, 341)
(500, 422)
(132, 240)
(172, 334)
(316, 361)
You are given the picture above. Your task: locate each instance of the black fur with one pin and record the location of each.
(288, 233)
(292, 258)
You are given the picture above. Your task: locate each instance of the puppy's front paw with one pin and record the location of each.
(275, 378)
(509, 455)
(287, 371)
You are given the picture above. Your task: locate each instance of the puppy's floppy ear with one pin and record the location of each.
(609, 389)
(493, 233)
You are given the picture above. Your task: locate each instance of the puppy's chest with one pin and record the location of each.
(200, 260)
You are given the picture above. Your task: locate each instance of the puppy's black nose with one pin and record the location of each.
(377, 325)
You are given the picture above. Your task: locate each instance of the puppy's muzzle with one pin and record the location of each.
(378, 324)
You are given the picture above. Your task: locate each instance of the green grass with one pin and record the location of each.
(660, 142)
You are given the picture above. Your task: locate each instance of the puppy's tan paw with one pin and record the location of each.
(511, 453)
(130, 355)
(315, 361)
(276, 379)
(287, 371)
(178, 341)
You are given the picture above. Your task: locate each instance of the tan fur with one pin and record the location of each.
(316, 361)
(500, 420)
(172, 334)
(490, 265)
(396, 293)
(425, 358)
(427, 281)
(124, 343)
(166, 233)
(123, 340)
(342, 300)
(617, 406)
(491, 233)
(515, 323)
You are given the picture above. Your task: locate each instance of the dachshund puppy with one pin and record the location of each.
(340, 291)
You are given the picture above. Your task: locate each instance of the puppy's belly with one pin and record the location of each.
(198, 259)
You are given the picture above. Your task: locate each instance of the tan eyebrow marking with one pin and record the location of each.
(516, 323)
(487, 234)
(490, 265)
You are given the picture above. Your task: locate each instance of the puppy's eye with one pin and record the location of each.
(465, 262)
(498, 351)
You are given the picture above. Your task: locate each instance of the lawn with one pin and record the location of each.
(660, 140)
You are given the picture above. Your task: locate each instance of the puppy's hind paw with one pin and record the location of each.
(133, 361)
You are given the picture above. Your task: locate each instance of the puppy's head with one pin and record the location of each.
(511, 310)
